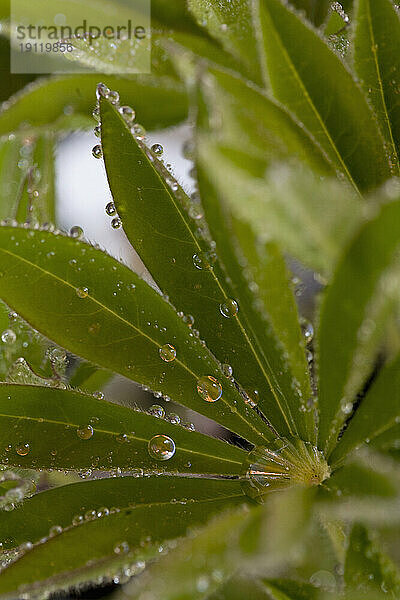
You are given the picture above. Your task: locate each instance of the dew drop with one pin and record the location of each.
(85, 432)
(157, 149)
(167, 353)
(55, 530)
(116, 223)
(229, 308)
(102, 91)
(97, 151)
(110, 209)
(161, 447)
(139, 131)
(96, 113)
(97, 131)
(82, 292)
(76, 231)
(308, 331)
(209, 388)
(22, 449)
(157, 411)
(174, 419)
(113, 97)
(8, 336)
(227, 370)
(121, 548)
(128, 113)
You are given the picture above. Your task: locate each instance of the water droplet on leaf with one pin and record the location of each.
(209, 388)
(85, 432)
(229, 308)
(97, 151)
(167, 353)
(161, 447)
(110, 209)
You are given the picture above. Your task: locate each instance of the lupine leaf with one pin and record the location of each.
(168, 241)
(367, 568)
(310, 219)
(114, 319)
(310, 79)
(231, 24)
(43, 102)
(316, 10)
(285, 589)
(106, 546)
(71, 430)
(245, 119)
(32, 520)
(343, 312)
(256, 539)
(269, 273)
(377, 62)
(377, 414)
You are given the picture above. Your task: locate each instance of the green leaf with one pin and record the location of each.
(238, 588)
(44, 102)
(285, 589)
(90, 378)
(343, 312)
(11, 176)
(235, 541)
(50, 428)
(316, 10)
(310, 219)
(378, 412)
(377, 62)
(368, 569)
(245, 119)
(268, 271)
(111, 545)
(312, 82)
(231, 24)
(368, 478)
(32, 520)
(35, 201)
(113, 319)
(156, 219)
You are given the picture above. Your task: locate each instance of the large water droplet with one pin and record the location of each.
(116, 223)
(229, 308)
(161, 447)
(85, 432)
(157, 149)
(157, 411)
(97, 151)
(209, 388)
(110, 209)
(128, 113)
(113, 97)
(167, 353)
(76, 231)
(102, 90)
(8, 336)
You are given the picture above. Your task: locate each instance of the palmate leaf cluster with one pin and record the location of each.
(292, 491)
